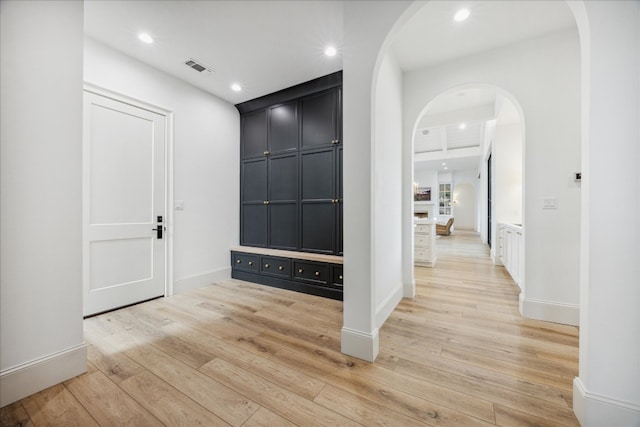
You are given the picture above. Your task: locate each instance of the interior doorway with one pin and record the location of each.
(124, 203)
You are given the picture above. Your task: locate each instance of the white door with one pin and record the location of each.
(123, 200)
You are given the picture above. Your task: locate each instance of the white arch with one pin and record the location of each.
(408, 255)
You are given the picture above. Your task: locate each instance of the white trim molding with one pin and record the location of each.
(169, 168)
(359, 344)
(200, 280)
(568, 314)
(28, 378)
(593, 410)
(387, 306)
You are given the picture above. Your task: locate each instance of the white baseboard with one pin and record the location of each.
(568, 314)
(200, 280)
(388, 305)
(409, 289)
(359, 344)
(29, 378)
(593, 410)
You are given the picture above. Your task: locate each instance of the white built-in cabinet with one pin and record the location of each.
(424, 241)
(511, 250)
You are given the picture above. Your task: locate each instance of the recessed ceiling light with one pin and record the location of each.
(330, 51)
(461, 15)
(446, 168)
(236, 87)
(145, 38)
(462, 126)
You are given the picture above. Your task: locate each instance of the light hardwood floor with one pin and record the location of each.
(240, 354)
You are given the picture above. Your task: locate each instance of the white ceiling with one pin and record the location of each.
(431, 36)
(265, 46)
(270, 45)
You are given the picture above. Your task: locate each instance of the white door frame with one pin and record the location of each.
(168, 114)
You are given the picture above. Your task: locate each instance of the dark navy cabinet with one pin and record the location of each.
(291, 171)
(291, 189)
(302, 275)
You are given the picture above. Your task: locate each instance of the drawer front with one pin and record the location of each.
(421, 255)
(316, 273)
(423, 228)
(244, 262)
(275, 266)
(337, 276)
(421, 240)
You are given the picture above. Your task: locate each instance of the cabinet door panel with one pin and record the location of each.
(318, 175)
(283, 226)
(319, 119)
(283, 128)
(283, 178)
(318, 227)
(254, 134)
(339, 246)
(339, 173)
(254, 180)
(254, 225)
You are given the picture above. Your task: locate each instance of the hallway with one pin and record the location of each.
(463, 331)
(241, 354)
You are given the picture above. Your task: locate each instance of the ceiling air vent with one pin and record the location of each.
(197, 66)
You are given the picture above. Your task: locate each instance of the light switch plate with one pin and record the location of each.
(549, 203)
(179, 205)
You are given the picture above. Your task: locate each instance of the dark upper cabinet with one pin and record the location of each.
(318, 228)
(283, 178)
(254, 225)
(320, 201)
(317, 170)
(283, 127)
(254, 180)
(291, 171)
(254, 134)
(320, 122)
(339, 223)
(283, 226)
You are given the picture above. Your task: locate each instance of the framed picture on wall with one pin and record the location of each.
(422, 194)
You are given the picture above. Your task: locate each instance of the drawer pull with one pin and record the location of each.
(280, 268)
(317, 273)
(340, 277)
(238, 261)
(250, 263)
(266, 266)
(300, 270)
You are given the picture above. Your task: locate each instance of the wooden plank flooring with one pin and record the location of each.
(240, 354)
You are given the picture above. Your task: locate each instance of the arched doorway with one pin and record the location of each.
(454, 137)
(610, 67)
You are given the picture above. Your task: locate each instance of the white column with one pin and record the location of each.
(607, 391)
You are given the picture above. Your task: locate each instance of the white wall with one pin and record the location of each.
(543, 76)
(362, 41)
(465, 195)
(607, 391)
(387, 178)
(206, 153)
(41, 340)
(507, 154)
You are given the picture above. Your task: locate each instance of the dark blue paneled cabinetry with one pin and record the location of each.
(308, 276)
(291, 171)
